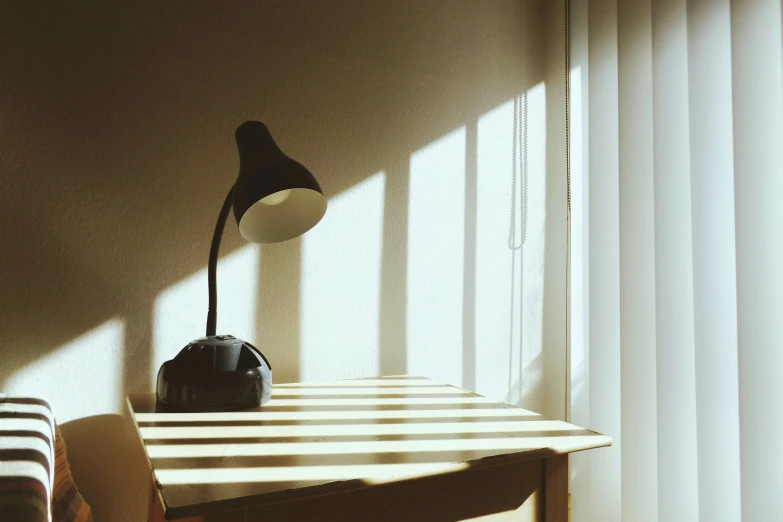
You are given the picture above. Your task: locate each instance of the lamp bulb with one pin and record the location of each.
(276, 198)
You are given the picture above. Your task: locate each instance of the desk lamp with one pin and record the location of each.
(274, 199)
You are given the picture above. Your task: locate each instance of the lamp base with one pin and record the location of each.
(215, 373)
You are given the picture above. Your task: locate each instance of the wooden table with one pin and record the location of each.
(380, 449)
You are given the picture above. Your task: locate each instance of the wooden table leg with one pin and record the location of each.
(556, 488)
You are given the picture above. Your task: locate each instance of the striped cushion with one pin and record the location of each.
(26, 459)
(35, 478)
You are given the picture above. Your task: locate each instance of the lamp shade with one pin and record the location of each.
(275, 197)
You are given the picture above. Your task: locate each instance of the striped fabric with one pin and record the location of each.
(35, 479)
(26, 457)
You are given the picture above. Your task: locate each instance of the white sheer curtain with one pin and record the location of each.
(677, 259)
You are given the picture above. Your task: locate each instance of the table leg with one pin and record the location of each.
(556, 488)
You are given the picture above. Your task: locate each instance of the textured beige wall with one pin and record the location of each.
(116, 149)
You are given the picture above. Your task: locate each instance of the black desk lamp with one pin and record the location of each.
(274, 199)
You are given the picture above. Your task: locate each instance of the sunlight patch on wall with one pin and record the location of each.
(436, 226)
(510, 242)
(499, 239)
(341, 283)
(181, 310)
(531, 385)
(82, 378)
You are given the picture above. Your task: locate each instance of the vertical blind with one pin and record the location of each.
(677, 259)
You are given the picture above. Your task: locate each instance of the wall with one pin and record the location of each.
(116, 150)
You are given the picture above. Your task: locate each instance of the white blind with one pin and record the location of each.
(679, 223)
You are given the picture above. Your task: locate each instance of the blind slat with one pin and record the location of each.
(758, 178)
(637, 263)
(678, 493)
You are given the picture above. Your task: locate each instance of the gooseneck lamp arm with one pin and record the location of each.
(273, 199)
(213, 259)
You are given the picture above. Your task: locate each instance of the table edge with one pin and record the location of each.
(333, 487)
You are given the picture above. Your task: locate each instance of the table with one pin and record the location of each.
(379, 449)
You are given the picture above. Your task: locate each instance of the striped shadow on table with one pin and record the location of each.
(318, 438)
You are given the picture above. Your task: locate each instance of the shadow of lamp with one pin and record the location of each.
(274, 199)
